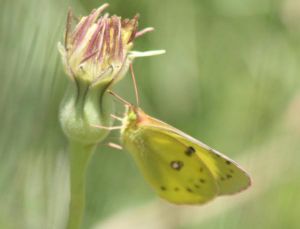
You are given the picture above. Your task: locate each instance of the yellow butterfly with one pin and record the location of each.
(180, 169)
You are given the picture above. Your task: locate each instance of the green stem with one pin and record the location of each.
(79, 154)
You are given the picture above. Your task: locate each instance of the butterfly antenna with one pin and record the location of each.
(119, 98)
(135, 85)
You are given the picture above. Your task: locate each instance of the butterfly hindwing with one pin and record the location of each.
(169, 166)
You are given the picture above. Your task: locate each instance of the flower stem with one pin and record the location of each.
(79, 154)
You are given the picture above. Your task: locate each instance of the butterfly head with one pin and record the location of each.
(133, 117)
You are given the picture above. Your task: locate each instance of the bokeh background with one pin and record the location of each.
(230, 78)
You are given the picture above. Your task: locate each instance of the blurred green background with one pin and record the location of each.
(230, 78)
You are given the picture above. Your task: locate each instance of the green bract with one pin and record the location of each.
(85, 105)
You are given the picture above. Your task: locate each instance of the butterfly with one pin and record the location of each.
(180, 169)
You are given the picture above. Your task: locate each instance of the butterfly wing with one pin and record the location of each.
(228, 175)
(163, 160)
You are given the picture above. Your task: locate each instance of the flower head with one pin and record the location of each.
(98, 47)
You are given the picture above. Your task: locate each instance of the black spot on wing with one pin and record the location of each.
(229, 176)
(202, 180)
(228, 162)
(177, 165)
(196, 186)
(163, 188)
(189, 190)
(189, 151)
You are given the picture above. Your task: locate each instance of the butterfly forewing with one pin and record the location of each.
(175, 173)
(228, 175)
(180, 168)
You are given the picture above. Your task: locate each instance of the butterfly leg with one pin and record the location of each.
(115, 146)
(116, 117)
(108, 127)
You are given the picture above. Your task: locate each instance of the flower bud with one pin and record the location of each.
(96, 54)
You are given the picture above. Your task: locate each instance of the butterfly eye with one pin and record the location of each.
(132, 116)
